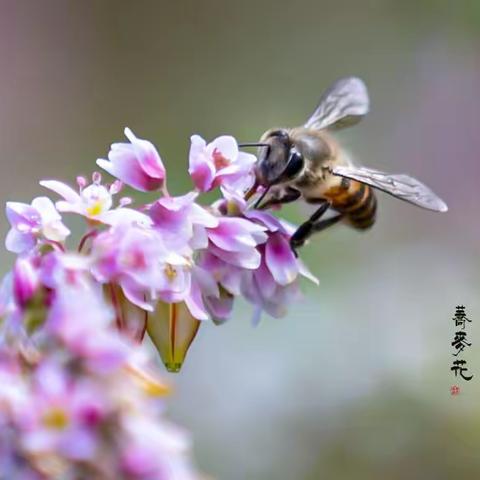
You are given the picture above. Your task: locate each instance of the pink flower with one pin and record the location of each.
(94, 202)
(81, 320)
(220, 307)
(136, 258)
(130, 256)
(137, 163)
(231, 253)
(274, 285)
(219, 163)
(181, 221)
(62, 415)
(65, 269)
(31, 223)
(162, 267)
(234, 241)
(156, 452)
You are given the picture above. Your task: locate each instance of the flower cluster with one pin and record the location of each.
(166, 266)
(78, 399)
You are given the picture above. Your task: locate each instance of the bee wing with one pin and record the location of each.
(342, 105)
(401, 186)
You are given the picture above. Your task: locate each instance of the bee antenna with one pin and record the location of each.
(256, 144)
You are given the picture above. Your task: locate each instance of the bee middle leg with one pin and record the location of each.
(312, 225)
(307, 228)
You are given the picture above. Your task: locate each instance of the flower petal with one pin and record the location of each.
(66, 192)
(249, 259)
(55, 231)
(124, 215)
(280, 259)
(220, 308)
(18, 242)
(226, 145)
(195, 304)
(22, 216)
(135, 295)
(200, 169)
(46, 208)
(147, 156)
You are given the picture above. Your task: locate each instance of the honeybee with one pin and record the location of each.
(307, 162)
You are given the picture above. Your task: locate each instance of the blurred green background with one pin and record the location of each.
(354, 382)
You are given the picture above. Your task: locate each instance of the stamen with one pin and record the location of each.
(56, 418)
(95, 209)
(97, 178)
(170, 272)
(81, 182)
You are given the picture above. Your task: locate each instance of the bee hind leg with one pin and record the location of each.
(327, 223)
(307, 228)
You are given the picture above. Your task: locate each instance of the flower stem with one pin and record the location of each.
(90, 234)
(116, 307)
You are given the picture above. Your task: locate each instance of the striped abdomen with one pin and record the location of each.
(356, 201)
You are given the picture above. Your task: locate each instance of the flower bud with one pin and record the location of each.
(25, 281)
(172, 329)
(137, 164)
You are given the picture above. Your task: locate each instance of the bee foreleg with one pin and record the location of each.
(307, 228)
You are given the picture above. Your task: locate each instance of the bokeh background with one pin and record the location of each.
(354, 382)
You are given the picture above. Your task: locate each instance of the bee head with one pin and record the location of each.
(279, 161)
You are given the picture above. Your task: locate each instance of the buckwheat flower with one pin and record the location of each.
(94, 202)
(276, 304)
(135, 258)
(229, 278)
(32, 223)
(174, 281)
(219, 307)
(156, 452)
(225, 274)
(232, 252)
(174, 323)
(137, 164)
(274, 285)
(181, 221)
(65, 269)
(62, 415)
(86, 335)
(219, 163)
(13, 393)
(276, 251)
(126, 255)
(234, 241)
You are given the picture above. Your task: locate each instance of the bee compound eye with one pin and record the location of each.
(295, 164)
